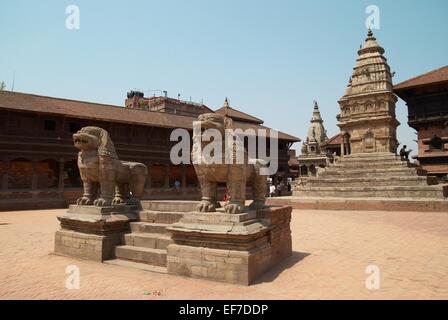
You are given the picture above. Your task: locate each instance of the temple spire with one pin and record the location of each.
(316, 113)
(226, 103)
(370, 35)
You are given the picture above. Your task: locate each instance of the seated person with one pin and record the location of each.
(404, 155)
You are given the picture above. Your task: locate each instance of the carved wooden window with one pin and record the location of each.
(435, 143)
(49, 125)
(48, 174)
(190, 176)
(20, 174)
(157, 176)
(72, 179)
(175, 174)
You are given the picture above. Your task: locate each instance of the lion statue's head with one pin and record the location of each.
(214, 121)
(94, 138)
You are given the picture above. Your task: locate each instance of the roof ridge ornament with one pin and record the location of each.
(226, 103)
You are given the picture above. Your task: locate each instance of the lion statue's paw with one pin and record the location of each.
(257, 205)
(206, 206)
(118, 200)
(101, 202)
(234, 208)
(84, 201)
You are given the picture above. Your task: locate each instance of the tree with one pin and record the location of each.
(2, 86)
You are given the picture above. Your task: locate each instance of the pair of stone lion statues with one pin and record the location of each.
(109, 181)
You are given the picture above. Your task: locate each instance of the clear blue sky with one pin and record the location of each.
(271, 58)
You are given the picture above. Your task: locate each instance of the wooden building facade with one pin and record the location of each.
(426, 97)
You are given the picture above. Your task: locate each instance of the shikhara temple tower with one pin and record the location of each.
(312, 155)
(367, 119)
(316, 134)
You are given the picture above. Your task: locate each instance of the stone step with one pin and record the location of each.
(374, 160)
(382, 155)
(155, 257)
(169, 205)
(160, 216)
(146, 227)
(148, 240)
(136, 265)
(371, 164)
(333, 172)
(372, 191)
(359, 181)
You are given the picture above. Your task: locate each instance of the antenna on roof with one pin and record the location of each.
(13, 81)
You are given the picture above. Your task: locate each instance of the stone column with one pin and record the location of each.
(34, 180)
(5, 177)
(148, 178)
(61, 178)
(342, 146)
(183, 185)
(167, 176)
(35, 177)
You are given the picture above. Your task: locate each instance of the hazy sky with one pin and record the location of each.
(271, 58)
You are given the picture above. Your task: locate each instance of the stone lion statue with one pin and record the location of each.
(236, 176)
(106, 179)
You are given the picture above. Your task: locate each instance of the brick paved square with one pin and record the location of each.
(332, 250)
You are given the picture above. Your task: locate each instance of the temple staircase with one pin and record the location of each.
(372, 175)
(145, 247)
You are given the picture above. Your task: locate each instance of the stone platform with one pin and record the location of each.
(372, 175)
(90, 232)
(171, 237)
(234, 248)
(362, 204)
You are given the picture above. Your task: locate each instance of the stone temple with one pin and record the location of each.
(313, 156)
(368, 126)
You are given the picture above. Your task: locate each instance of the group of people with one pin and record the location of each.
(276, 190)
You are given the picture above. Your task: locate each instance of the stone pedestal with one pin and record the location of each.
(91, 232)
(233, 248)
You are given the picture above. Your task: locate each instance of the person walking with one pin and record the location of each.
(177, 186)
(272, 190)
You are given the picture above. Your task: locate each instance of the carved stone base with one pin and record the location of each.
(234, 248)
(92, 233)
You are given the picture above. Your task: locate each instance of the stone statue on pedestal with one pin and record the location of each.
(106, 179)
(235, 175)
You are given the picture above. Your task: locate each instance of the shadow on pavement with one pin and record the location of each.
(273, 273)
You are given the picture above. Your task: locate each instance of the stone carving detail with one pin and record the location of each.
(106, 179)
(235, 175)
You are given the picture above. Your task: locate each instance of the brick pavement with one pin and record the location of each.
(331, 251)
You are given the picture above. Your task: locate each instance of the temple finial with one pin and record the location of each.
(370, 35)
(226, 103)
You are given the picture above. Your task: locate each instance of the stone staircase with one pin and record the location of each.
(375, 175)
(146, 246)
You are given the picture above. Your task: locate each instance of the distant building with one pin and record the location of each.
(312, 155)
(332, 146)
(427, 99)
(137, 100)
